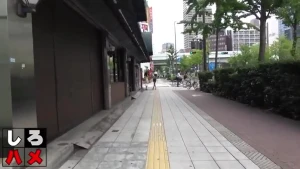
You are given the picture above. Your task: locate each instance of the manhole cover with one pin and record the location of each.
(115, 131)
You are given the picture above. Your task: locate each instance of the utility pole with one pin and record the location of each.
(175, 49)
(204, 43)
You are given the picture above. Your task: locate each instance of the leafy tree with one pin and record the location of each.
(262, 10)
(172, 56)
(281, 49)
(185, 63)
(225, 16)
(290, 15)
(248, 56)
(196, 58)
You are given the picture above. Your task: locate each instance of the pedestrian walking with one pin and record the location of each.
(154, 80)
(146, 76)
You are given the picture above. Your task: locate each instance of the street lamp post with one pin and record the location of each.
(175, 46)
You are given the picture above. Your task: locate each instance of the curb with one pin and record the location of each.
(84, 135)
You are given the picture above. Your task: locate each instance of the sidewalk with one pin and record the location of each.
(272, 135)
(161, 131)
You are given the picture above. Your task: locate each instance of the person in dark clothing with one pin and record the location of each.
(154, 81)
(185, 76)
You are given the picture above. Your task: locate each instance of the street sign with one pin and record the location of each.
(211, 66)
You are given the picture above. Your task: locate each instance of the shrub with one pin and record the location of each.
(203, 80)
(270, 85)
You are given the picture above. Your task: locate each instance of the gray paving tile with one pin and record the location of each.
(222, 156)
(110, 165)
(177, 150)
(205, 165)
(216, 149)
(103, 144)
(226, 144)
(239, 156)
(193, 144)
(201, 156)
(139, 144)
(212, 143)
(117, 150)
(87, 164)
(137, 150)
(121, 144)
(98, 150)
(248, 164)
(134, 164)
(175, 164)
(136, 156)
(114, 157)
(232, 149)
(175, 144)
(179, 156)
(197, 149)
(229, 165)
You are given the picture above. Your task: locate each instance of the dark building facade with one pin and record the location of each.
(68, 60)
(224, 43)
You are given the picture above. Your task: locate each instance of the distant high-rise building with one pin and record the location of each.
(189, 37)
(224, 43)
(242, 37)
(286, 31)
(166, 47)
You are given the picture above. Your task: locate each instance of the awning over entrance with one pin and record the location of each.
(119, 18)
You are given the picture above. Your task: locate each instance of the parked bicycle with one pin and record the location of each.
(189, 84)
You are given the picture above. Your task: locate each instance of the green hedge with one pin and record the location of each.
(273, 86)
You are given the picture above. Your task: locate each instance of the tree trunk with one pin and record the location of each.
(293, 51)
(262, 39)
(217, 48)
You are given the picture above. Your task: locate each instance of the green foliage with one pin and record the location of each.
(280, 49)
(185, 63)
(273, 85)
(193, 60)
(247, 57)
(204, 78)
(196, 58)
(172, 55)
(289, 13)
(262, 10)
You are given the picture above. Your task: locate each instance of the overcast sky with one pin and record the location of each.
(166, 12)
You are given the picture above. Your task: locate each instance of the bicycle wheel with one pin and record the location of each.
(188, 85)
(195, 85)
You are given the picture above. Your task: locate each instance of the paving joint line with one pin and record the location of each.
(262, 162)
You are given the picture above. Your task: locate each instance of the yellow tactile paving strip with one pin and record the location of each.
(157, 157)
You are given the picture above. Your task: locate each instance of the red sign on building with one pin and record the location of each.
(150, 13)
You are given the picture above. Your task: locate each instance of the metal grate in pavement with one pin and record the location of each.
(256, 157)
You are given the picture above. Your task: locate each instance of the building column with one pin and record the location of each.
(5, 85)
(133, 61)
(106, 72)
(17, 76)
(123, 54)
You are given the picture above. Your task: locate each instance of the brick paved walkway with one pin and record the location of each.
(161, 131)
(272, 135)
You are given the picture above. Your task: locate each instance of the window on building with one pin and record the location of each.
(116, 67)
